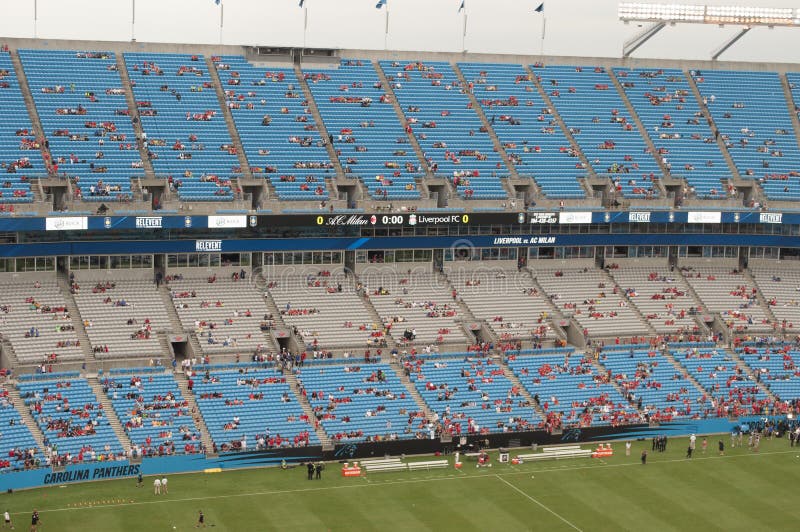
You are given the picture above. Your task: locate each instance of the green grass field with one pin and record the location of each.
(739, 491)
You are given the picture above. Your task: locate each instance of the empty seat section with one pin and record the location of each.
(448, 130)
(324, 316)
(418, 302)
(81, 103)
(122, 318)
(671, 114)
(152, 411)
(185, 128)
(596, 115)
(368, 137)
(662, 297)
(225, 315)
(278, 132)
(594, 302)
(35, 320)
(750, 112)
(526, 127)
(730, 294)
(361, 403)
(250, 404)
(507, 301)
(20, 157)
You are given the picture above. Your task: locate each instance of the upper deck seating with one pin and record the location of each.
(367, 135)
(750, 112)
(19, 148)
(185, 128)
(668, 109)
(122, 318)
(594, 302)
(279, 135)
(449, 131)
(593, 110)
(420, 303)
(732, 295)
(526, 127)
(507, 302)
(82, 106)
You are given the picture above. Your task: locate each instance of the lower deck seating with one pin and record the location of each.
(155, 416)
(18, 449)
(471, 395)
(658, 388)
(74, 424)
(571, 391)
(355, 403)
(250, 407)
(731, 390)
(776, 368)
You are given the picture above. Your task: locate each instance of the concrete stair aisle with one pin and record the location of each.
(321, 128)
(75, 315)
(391, 343)
(707, 114)
(197, 418)
(509, 374)
(741, 364)
(643, 133)
(26, 415)
(610, 281)
(137, 123)
(467, 317)
(412, 390)
(194, 345)
(302, 400)
(760, 298)
(32, 111)
(232, 131)
(787, 93)
(684, 372)
(387, 87)
(498, 146)
(8, 350)
(176, 327)
(111, 415)
(564, 129)
(166, 347)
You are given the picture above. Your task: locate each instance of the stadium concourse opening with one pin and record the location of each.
(211, 260)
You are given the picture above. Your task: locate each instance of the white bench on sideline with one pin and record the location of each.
(432, 464)
(556, 454)
(384, 464)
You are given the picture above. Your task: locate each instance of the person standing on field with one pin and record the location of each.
(164, 486)
(157, 486)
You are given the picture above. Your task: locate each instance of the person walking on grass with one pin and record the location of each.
(644, 457)
(7, 521)
(721, 445)
(35, 521)
(705, 445)
(139, 480)
(201, 520)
